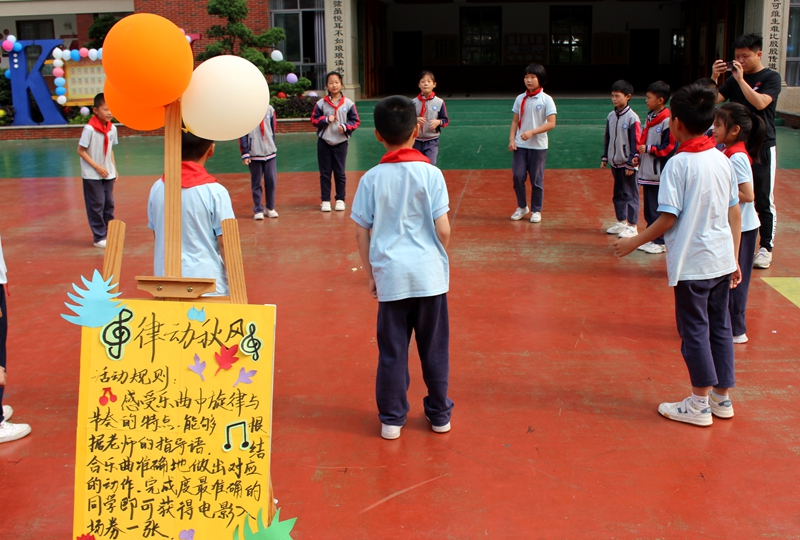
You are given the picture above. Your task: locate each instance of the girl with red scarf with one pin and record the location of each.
(431, 117)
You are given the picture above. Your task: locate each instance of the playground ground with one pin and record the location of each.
(560, 353)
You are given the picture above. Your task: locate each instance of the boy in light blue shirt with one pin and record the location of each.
(402, 231)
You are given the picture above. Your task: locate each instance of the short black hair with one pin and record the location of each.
(694, 106)
(754, 42)
(426, 73)
(99, 100)
(622, 86)
(193, 147)
(539, 71)
(660, 89)
(332, 73)
(708, 82)
(395, 118)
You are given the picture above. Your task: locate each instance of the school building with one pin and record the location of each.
(475, 47)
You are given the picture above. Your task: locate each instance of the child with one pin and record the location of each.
(431, 117)
(98, 169)
(8, 431)
(534, 115)
(619, 150)
(336, 118)
(742, 133)
(701, 224)
(655, 147)
(204, 206)
(258, 152)
(409, 274)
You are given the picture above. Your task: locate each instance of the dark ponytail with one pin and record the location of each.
(751, 127)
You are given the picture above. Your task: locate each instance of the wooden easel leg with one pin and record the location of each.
(112, 263)
(233, 261)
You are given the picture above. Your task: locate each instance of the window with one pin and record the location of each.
(793, 45)
(678, 46)
(33, 30)
(304, 46)
(481, 32)
(570, 34)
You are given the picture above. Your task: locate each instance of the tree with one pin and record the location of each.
(236, 38)
(99, 29)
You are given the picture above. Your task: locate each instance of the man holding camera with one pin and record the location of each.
(756, 87)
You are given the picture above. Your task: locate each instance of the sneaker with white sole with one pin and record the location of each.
(12, 432)
(763, 259)
(7, 412)
(629, 232)
(536, 217)
(390, 432)
(100, 244)
(439, 429)
(340, 206)
(653, 248)
(722, 408)
(740, 339)
(271, 213)
(519, 213)
(259, 216)
(325, 206)
(617, 228)
(686, 411)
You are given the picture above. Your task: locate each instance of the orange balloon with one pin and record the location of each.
(148, 59)
(131, 113)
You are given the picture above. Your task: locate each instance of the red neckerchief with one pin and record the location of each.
(193, 174)
(522, 105)
(650, 123)
(697, 144)
(263, 130)
(404, 155)
(330, 102)
(423, 99)
(100, 128)
(736, 148)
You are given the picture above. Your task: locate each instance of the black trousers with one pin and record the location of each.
(737, 303)
(764, 188)
(651, 213)
(99, 198)
(331, 160)
(3, 338)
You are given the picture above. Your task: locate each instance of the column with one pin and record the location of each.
(341, 37)
(770, 19)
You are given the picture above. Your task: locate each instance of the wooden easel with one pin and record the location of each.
(172, 286)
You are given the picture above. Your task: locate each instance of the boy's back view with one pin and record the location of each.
(400, 209)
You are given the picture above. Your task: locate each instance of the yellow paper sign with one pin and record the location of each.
(174, 421)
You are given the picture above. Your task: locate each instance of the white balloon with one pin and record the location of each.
(57, 54)
(11, 38)
(226, 99)
(58, 62)
(92, 54)
(61, 100)
(276, 55)
(66, 55)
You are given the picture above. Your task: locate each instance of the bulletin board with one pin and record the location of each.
(85, 79)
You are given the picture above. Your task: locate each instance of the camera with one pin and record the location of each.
(729, 65)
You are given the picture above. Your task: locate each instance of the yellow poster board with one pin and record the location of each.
(85, 79)
(175, 422)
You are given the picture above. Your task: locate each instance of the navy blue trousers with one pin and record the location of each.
(737, 304)
(99, 198)
(704, 324)
(529, 162)
(429, 319)
(651, 213)
(331, 160)
(429, 148)
(3, 337)
(268, 170)
(626, 196)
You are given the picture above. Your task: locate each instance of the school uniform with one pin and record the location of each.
(332, 143)
(399, 201)
(737, 305)
(619, 150)
(659, 147)
(533, 109)
(259, 147)
(698, 186)
(430, 108)
(98, 193)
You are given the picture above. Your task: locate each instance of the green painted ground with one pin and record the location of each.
(476, 139)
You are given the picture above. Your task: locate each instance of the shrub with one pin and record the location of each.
(294, 106)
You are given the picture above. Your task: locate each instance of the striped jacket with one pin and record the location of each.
(622, 132)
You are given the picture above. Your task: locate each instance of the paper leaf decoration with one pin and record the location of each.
(96, 306)
(226, 357)
(198, 367)
(278, 530)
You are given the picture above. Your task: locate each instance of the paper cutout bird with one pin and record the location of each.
(226, 357)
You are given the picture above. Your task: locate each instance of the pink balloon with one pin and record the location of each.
(58, 72)
(84, 52)
(7, 46)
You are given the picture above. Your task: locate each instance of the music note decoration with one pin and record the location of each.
(250, 344)
(107, 396)
(245, 438)
(116, 334)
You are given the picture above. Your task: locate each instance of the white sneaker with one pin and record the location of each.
(763, 259)
(271, 213)
(7, 412)
(617, 228)
(390, 432)
(11, 432)
(439, 429)
(325, 206)
(519, 213)
(536, 217)
(339, 206)
(644, 246)
(686, 411)
(740, 339)
(653, 249)
(720, 409)
(629, 232)
(101, 244)
(259, 216)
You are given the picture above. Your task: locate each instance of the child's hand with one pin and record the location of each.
(373, 290)
(641, 149)
(635, 162)
(332, 119)
(102, 171)
(342, 129)
(512, 145)
(246, 161)
(623, 246)
(421, 120)
(435, 124)
(603, 164)
(629, 172)
(736, 277)
(526, 135)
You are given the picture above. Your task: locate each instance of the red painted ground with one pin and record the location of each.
(560, 356)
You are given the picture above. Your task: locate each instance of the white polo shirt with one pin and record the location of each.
(537, 109)
(744, 174)
(3, 269)
(92, 140)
